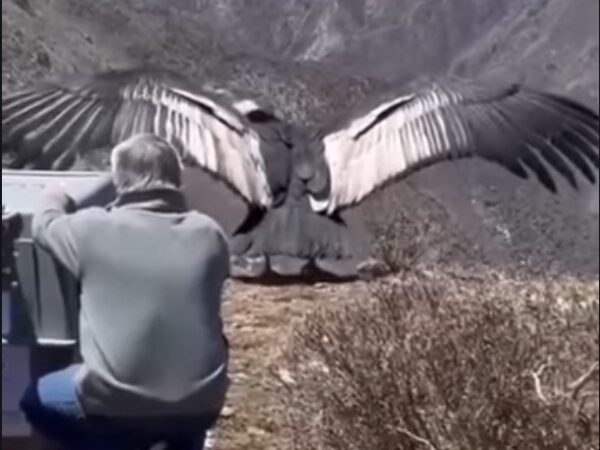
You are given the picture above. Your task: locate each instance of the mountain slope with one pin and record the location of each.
(312, 59)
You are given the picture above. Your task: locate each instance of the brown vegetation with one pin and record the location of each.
(430, 362)
(412, 229)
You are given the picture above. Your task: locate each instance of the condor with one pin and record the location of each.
(296, 182)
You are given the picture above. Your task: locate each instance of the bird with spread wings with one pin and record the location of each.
(296, 183)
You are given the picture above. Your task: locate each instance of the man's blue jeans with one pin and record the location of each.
(53, 410)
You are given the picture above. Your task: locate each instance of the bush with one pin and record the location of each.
(433, 363)
(412, 229)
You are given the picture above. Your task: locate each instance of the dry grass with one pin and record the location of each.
(505, 329)
(412, 229)
(259, 321)
(432, 362)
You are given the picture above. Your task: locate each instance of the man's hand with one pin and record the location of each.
(56, 190)
(10, 223)
(56, 194)
(6, 215)
(5, 220)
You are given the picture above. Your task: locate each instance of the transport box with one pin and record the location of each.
(39, 298)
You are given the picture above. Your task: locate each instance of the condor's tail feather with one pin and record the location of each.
(292, 241)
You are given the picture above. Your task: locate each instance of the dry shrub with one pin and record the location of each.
(411, 229)
(430, 362)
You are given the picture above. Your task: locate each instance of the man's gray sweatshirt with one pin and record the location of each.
(151, 274)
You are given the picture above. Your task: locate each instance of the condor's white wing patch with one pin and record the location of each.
(523, 130)
(47, 127)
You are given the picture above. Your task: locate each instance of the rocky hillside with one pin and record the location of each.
(312, 58)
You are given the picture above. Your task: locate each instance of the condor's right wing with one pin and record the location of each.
(48, 126)
(521, 129)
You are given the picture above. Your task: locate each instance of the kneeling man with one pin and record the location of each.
(152, 272)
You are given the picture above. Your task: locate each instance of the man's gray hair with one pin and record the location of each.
(144, 162)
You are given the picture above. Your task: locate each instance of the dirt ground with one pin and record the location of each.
(258, 320)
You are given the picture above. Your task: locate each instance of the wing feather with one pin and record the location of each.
(526, 131)
(46, 127)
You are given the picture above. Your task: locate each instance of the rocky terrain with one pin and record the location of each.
(312, 59)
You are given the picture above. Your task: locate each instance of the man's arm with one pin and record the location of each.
(53, 229)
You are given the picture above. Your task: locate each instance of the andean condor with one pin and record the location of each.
(296, 182)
